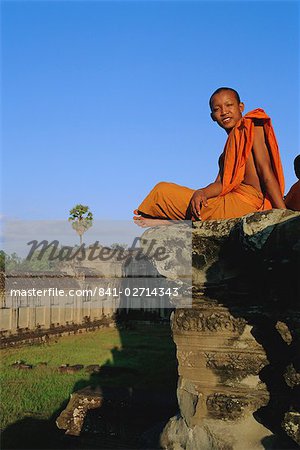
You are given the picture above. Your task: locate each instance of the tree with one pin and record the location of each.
(9, 262)
(81, 218)
(2, 260)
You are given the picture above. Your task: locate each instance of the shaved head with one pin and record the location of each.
(297, 166)
(221, 89)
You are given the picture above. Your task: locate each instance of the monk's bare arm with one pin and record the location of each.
(201, 195)
(264, 168)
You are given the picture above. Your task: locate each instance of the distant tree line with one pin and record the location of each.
(13, 261)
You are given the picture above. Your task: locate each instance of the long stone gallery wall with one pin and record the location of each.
(96, 295)
(26, 312)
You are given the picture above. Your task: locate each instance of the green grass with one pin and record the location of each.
(42, 392)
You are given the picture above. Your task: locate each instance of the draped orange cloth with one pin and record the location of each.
(171, 201)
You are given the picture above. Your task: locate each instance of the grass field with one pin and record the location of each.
(43, 391)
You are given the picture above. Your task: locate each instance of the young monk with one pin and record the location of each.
(250, 174)
(292, 199)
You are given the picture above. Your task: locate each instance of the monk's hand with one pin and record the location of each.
(198, 199)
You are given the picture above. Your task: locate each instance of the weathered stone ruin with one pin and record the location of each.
(238, 345)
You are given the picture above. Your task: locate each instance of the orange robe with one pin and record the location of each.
(171, 201)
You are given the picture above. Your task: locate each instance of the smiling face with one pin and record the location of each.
(226, 110)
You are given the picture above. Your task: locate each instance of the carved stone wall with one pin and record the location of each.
(238, 346)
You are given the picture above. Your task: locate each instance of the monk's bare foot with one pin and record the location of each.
(145, 222)
(137, 215)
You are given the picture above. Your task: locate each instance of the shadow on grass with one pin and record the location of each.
(139, 387)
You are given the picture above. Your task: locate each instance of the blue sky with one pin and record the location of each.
(101, 100)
